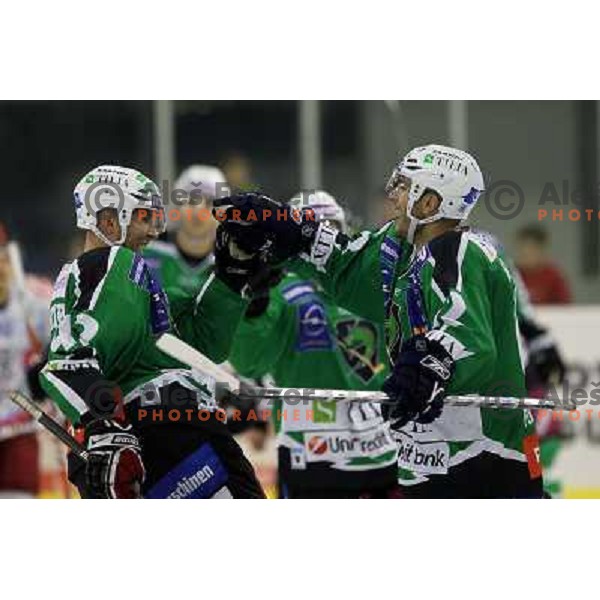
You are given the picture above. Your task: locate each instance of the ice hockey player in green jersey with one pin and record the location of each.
(449, 307)
(300, 338)
(545, 370)
(181, 261)
(151, 425)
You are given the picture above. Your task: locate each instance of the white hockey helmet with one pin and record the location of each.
(452, 173)
(121, 188)
(324, 205)
(206, 178)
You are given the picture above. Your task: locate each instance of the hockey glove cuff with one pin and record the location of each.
(114, 468)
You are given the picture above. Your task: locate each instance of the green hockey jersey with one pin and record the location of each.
(459, 290)
(106, 312)
(304, 339)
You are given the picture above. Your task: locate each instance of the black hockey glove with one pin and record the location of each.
(247, 274)
(545, 366)
(114, 468)
(418, 382)
(259, 223)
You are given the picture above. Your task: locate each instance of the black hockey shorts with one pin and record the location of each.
(321, 480)
(196, 462)
(186, 460)
(484, 476)
(389, 492)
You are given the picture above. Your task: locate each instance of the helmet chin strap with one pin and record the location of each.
(415, 223)
(412, 229)
(100, 235)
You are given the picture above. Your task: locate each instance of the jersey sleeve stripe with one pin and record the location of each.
(96, 294)
(75, 406)
(205, 287)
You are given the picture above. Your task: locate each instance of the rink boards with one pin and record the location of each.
(576, 328)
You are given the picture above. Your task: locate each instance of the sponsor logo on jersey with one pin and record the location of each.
(430, 458)
(188, 485)
(331, 446)
(358, 340)
(531, 449)
(200, 475)
(313, 332)
(324, 411)
(317, 445)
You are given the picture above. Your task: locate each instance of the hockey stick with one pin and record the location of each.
(48, 423)
(470, 400)
(184, 353)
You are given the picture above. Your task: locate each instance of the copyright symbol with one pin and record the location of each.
(103, 397)
(504, 199)
(103, 194)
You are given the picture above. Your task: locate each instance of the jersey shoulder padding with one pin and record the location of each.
(93, 269)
